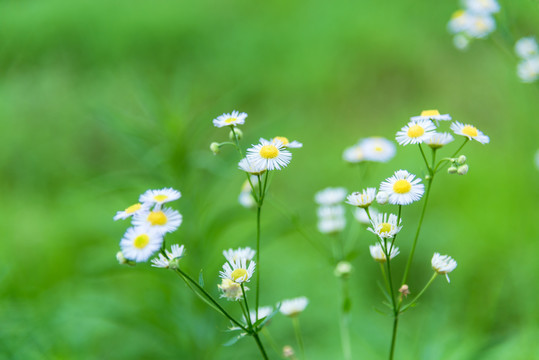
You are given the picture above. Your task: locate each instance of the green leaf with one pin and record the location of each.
(234, 340)
(381, 312)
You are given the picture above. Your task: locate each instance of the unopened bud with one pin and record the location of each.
(288, 352)
(452, 170)
(461, 160)
(404, 290)
(463, 170)
(238, 132)
(428, 177)
(343, 269)
(382, 197)
(215, 148)
(121, 258)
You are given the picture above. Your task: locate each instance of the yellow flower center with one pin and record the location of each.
(458, 13)
(141, 241)
(269, 152)
(133, 208)
(282, 139)
(385, 228)
(402, 186)
(230, 120)
(160, 198)
(469, 130)
(378, 148)
(430, 113)
(157, 218)
(415, 131)
(239, 274)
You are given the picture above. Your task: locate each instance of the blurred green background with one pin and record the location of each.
(101, 100)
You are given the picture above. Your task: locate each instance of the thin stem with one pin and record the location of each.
(299, 339)
(237, 141)
(385, 277)
(246, 307)
(258, 213)
(405, 307)
(270, 339)
(260, 346)
(394, 336)
(424, 157)
(345, 322)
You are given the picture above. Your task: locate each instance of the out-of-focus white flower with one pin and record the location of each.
(294, 307)
(461, 41)
(330, 196)
(482, 6)
(415, 132)
(526, 47)
(443, 264)
(130, 211)
(528, 69)
(159, 197)
(233, 119)
(470, 132)
(377, 149)
(263, 311)
(378, 254)
(354, 154)
(385, 225)
(480, 25)
(459, 22)
(331, 219)
(251, 167)
(362, 217)
(382, 197)
(362, 199)
(270, 155)
(403, 188)
(343, 269)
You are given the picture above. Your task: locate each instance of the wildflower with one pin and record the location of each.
(482, 6)
(431, 115)
(263, 311)
(378, 254)
(233, 119)
(362, 199)
(462, 170)
(480, 25)
(353, 154)
(459, 22)
(526, 47)
(232, 255)
(175, 254)
(437, 140)
(331, 219)
(231, 290)
(215, 148)
(238, 271)
(470, 132)
(461, 41)
(162, 220)
(415, 132)
(251, 167)
(288, 352)
(385, 226)
(382, 197)
(287, 143)
(269, 155)
(462, 159)
(404, 290)
(443, 264)
(130, 211)
(452, 169)
(528, 69)
(362, 217)
(343, 269)
(402, 188)
(159, 197)
(377, 149)
(139, 243)
(235, 133)
(294, 307)
(330, 196)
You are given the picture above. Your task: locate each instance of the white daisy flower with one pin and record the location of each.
(175, 253)
(330, 196)
(232, 255)
(130, 211)
(382, 197)
(415, 132)
(139, 243)
(238, 270)
(461, 41)
(263, 311)
(402, 188)
(294, 307)
(526, 47)
(233, 119)
(443, 264)
(459, 22)
(482, 6)
(437, 140)
(362, 199)
(231, 290)
(470, 132)
(480, 26)
(431, 115)
(331, 219)
(162, 220)
(353, 154)
(362, 217)
(378, 254)
(250, 167)
(385, 226)
(269, 155)
(528, 69)
(287, 143)
(159, 197)
(378, 149)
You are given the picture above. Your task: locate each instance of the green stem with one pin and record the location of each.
(405, 307)
(446, 161)
(345, 322)
(394, 336)
(247, 307)
(424, 157)
(237, 141)
(299, 339)
(385, 277)
(260, 346)
(270, 339)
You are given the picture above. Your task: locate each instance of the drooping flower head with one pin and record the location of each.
(233, 119)
(403, 188)
(294, 307)
(362, 199)
(415, 132)
(162, 220)
(443, 264)
(139, 243)
(378, 254)
(470, 132)
(269, 155)
(377, 149)
(385, 225)
(239, 271)
(231, 290)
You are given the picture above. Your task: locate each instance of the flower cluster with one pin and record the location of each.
(376, 149)
(527, 50)
(475, 21)
(151, 221)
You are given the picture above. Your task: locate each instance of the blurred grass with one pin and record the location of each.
(101, 100)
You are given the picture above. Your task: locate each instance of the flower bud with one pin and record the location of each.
(404, 290)
(343, 269)
(214, 147)
(382, 197)
(238, 132)
(463, 170)
(121, 258)
(288, 352)
(461, 160)
(452, 169)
